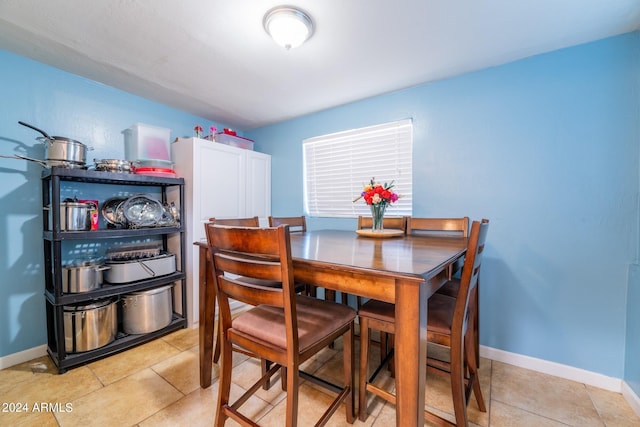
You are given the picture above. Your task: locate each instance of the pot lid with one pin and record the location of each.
(142, 211)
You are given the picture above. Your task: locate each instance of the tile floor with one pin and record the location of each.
(157, 384)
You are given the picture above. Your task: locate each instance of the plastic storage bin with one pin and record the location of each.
(146, 142)
(234, 141)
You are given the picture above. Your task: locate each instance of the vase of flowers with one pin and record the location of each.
(378, 197)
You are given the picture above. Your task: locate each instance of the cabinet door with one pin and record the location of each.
(221, 182)
(258, 201)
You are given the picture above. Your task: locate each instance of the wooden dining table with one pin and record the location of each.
(405, 270)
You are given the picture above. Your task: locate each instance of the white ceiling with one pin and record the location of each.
(212, 57)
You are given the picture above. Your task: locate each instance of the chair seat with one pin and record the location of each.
(316, 319)
(439, 313)
(450, 288)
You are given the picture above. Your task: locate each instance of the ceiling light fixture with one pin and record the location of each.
(288, 26)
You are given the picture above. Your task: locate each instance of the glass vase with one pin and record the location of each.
(377, 214)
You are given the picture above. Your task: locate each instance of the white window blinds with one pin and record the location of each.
(339, 165)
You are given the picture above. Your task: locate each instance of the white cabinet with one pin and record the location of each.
(222, 182)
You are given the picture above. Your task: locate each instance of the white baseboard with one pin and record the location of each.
(553, 368)
(23, 356)
(567, 372)
(632, 399)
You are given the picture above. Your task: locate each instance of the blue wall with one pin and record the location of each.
(65, 105)
(547, 149)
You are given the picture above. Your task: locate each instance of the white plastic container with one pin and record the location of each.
(234, 141)
(146, 142)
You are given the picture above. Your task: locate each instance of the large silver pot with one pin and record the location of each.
(133, 270)
(60, 151)
(87, 327)
(83, 277)
(147, 311)
(74, 215)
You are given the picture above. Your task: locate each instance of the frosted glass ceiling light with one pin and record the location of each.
(287, 26)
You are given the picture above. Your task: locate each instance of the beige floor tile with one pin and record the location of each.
(387, 416)
(548, 396)
(48, 388)
(312, 403)
(28, 419)
(120, 365)
(183, 370)
(613, 408)
(157, 384)
(183, 339)
(438, 396)
(14, 375)
(197, 409)
(503, 415)
(123, 403)
(333, 370)
(254, 408)
(248, 372)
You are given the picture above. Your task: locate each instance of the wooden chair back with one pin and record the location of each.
(391, 222)
(467, 293)
(252, 255)
(297, 224)
(239, 222)
(439, 226)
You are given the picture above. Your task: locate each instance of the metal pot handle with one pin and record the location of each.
(37, 130)
(21, 157)
(148, 269)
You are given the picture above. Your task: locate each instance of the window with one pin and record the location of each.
(339, 165)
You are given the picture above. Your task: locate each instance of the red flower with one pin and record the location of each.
(376, 193)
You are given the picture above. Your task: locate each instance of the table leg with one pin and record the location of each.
(411, 349)
(207, 312)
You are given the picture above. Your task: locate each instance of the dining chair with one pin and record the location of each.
(282, 326)
(445, 227)
(449, 227)
(295, 223)
(253, 221)
(449, 324)
(394, 222)
(246, 222)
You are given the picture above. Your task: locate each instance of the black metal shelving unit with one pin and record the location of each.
(53, 237)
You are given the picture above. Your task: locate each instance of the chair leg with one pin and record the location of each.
(224, 387)
(293, 381)
(364, 368)
(216, 348)
(349, 374)
(473, 371)
(476, 325)
(458, 382)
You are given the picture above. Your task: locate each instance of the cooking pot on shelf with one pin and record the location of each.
(74, 215)
(112, 211)
(82, 277)
(114, 165)
(59, 151)
(90, 326)
(133, 270)
(147, 311)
